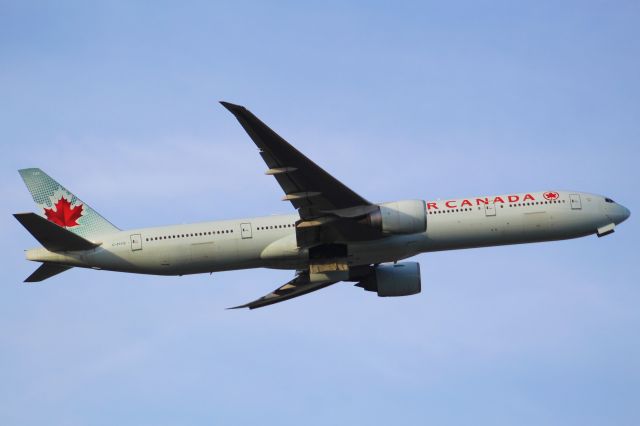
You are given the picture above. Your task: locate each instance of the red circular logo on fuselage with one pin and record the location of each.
(551, 195)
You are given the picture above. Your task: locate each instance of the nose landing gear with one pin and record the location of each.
(606, 230)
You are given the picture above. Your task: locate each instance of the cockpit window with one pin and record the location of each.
(609, 200)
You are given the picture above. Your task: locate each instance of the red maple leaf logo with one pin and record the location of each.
(64, 215)
(551, 195)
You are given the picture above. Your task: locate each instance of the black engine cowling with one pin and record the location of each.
(393, 279)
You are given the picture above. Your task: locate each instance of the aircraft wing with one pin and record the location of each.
(306, 185)
(330, 212)
(298, 286)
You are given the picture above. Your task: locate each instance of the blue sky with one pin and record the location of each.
(118, 101)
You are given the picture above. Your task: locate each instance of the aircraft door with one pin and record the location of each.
(245, 230)
(574, 199)
(136, 242)
(490, 209)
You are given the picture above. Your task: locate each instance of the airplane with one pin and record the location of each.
(336, 234)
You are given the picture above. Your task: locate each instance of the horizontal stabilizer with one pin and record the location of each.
(51, 236)
(46, 270)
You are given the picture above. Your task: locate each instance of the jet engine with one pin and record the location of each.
(390, 280)
(399, 217)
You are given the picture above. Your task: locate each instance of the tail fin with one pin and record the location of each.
(63, 208)
(44, 271)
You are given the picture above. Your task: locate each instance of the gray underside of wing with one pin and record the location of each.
(306, 185)
(298, 286)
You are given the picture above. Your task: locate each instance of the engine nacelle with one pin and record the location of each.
(400, 217)
(391, 280)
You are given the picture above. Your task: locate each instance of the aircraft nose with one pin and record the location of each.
(625, 214)
(619, 214)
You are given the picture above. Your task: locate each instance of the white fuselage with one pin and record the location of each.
(270, 241)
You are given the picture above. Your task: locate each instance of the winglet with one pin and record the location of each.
(238, 307)
(232, 107)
